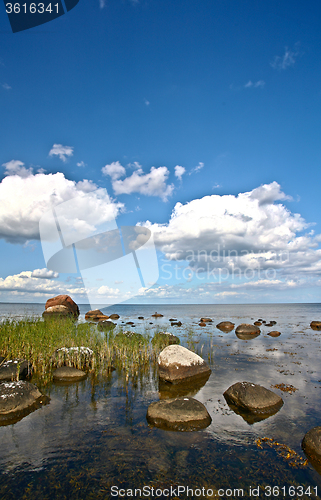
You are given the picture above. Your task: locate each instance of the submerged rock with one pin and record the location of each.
(68, 373)
(253, 398)
(176, 363)
(163, 339)
(129, 337)
(177, 323)
(225, 326)
(179, 414)
(189, 387)
(8, 369)
(140, 317)
(206, 320)
(63, 300)
(15, 398)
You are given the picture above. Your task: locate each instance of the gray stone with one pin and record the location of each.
(252, 397)
(106, 325)
(311, 444)
(179, 414)
(8, 369)
(176, 363)
(15, 397)
(163, 339)
(68, 373)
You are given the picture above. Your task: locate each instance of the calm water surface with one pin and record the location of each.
(94, 435)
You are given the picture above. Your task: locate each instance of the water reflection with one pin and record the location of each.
(94, 432)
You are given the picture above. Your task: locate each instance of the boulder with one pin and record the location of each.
(75, 355)
(63, 300)
(157, 315)
(206, 320)
(16, 398)
(163, 339)
(311, 444)
(257, 323)
(140, 317)
(172, 319)
(253, 398)
(179, 414)
(68, 374)
(274, 334)
(106, 325)
(96, 315)
(58, 311)
(315, 325)
(114, 316)
(177, 323)
(202, 323)
(128, 337)
(8, 369)
(225, 326)
(246, 328)
(176, 363)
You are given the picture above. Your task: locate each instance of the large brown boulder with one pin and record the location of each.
(95, 315)
(176, 364)
(64, 300)
(179, 414)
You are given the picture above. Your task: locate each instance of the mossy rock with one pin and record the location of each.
(129, 338)
(163, 339)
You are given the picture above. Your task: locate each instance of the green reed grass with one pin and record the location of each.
(37, 341)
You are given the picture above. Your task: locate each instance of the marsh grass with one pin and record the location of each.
(37, 341)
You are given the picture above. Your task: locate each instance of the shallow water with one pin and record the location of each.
(93, 434)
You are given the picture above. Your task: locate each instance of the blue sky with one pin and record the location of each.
(197, 119)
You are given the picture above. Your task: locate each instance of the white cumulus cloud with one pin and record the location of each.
(61, 151)
(151, 184)
(24, 200)
(179, 172)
